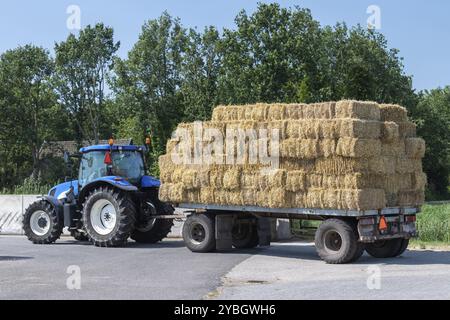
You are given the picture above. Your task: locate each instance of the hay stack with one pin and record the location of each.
(347, 155)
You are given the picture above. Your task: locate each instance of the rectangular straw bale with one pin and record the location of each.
(358, 148)
(324, 110)
(328, 129)
(339, 165)
(393, 112)
(390, 131)
(314, 198)
(295, 181)
(220, 196)
(393, 149)
(172, 192)
(294, 111)
(190, 179)
(418, 181)
(234, 198)
(277, 198)
(382, 165)
(391, 199)
(280, 125)
(327, 147)
(363, 199)
(357, 110)
(404, 165)
(296, 199)
(305, 165)
(218, 113)
(415, 148)
(192, 196)
(300, 148)
(249, 179)
(260, 112)
(332, 198)
(410, 198)
(393, 183)
(249, 197)
(314, 181)
(277, 112)
(272, 179)
(363, 181)
(232, 179)
(407, 129)
(216, 178)
(356, 128)
(206, 195)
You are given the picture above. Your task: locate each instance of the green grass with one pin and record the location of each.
(433, 224)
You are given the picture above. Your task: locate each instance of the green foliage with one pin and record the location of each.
(433, 223)
(29, 186)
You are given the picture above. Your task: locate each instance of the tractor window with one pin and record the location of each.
(92, 167)
(129, 165)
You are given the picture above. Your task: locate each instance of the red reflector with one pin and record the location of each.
(411, 218)
(383, 224)
(108, 159)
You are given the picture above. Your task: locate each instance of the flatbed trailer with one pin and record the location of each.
(342, 237)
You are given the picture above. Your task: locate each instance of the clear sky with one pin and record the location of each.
(419, 29)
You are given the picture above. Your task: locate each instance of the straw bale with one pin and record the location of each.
(300, 148)
(418, 181)
(260, 112)
(218, 113)
(415, 148)
(356, 128)
(327, 147)
(405, 165)
(393, 149)
(249, 197)
(172, 192)
(190, 179)
(294, 111)
(410, 198)
(216, 178)
(232, 179)
(407, 130)
(191, 196)
(357, 110)
(392, 112)
(363, 199)
(207, 195)
(358, 148)
(390, 131)
(276, 112)
(295, 181)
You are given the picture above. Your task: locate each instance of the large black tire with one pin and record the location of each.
(79, 235)
(45, 217)
(159, 229)
(245, 236)
(385, 248)
(403, 247)
(199, 233)
(125, 213)
(337, 241)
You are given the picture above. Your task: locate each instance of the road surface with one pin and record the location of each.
(170, 271)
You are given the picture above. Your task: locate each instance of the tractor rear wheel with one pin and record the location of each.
(41, 223)
(154, 230)
(108, 217)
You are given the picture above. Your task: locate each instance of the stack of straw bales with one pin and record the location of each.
(338, 155)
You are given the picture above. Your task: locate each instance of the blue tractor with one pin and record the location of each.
(112, 200)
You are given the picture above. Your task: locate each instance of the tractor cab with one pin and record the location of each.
(120, 162)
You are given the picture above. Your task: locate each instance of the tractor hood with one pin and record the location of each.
(57, 190)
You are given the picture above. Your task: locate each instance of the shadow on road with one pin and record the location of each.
(13, 258)
(410, 257)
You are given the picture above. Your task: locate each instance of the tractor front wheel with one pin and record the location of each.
(41, 223)
(108, 217)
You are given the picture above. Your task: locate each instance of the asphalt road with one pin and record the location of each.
(163, 271)
(170, 271)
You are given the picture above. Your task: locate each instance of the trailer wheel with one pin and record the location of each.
(41, 223)
(108, 217)
(403, 247)
(385, 248)
(199, 233)
(155, 229)
(337, 241)
(245, 235)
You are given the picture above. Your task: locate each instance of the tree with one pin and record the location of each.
(200, 70)
(432, 116)
(83, 65)
(147, 84)
(29, 111)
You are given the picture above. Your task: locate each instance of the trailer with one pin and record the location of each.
(342, 236)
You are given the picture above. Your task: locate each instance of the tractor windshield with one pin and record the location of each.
(125, 164)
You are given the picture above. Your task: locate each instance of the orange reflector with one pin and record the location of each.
(383, 224)
(107, 159)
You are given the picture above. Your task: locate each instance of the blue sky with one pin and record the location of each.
(419, 29)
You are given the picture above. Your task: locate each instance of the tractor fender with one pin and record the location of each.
(115, 182)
